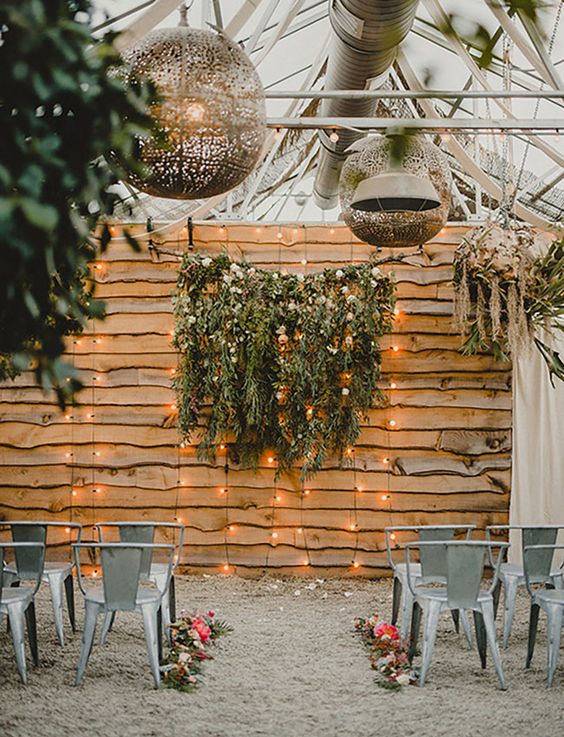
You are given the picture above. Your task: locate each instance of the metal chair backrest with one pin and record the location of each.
(31, 552)
(464, 568)
(29, 559)
(540, 562)
(432, 558)
(143, 532)
(535, 573)
(35, 531)
(121, 570)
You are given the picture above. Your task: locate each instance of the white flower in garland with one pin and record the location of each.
(339, 274)
(345, 391)
(206, 261)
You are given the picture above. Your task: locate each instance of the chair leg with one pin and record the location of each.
(90, 617)
(466, 627)
(69, 593)
(172, 600)
(510, 584)
(481, 638)
(489, 622)
(533, 624)
(16, 617)
(396, 599)
(150, 617)
(414, 632)
(107, 626)
(430, 622)
(56, 585)
(496, 596)
(32, 632)
(160, 634)
(455, 614)
(406, 612)
(554, 629)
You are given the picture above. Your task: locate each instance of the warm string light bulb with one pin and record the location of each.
(393, 385)
(334, 136)
(225, 567)
(392, 423)
(356, 564)
(274, 535)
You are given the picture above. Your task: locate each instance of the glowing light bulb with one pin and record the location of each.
(222, 446)
(258, 230)
(304, 261)
(171, 332)
(68, 417)
(225, 566)
(300, 529)
(68, 455)
(306, 562)
(395, 348)
(274, 535)
(393, 536)
(195, 112)
(350, 451)
(385, 460)
(172, 372)
(67, 529)
(277, 134)
(223, 491)
(307, 491)
(397, 311)
(356, 564)
(334, 137)
(393, 385)
(178, 519)
(392, 423)
(352, 527)
(279, 234)
(270, 459)
(332, 231)
(385, 497)
(173, 407)
(94, 574)
(97, 453)
(74, 492)
(231, 528)
(359, 489)
(277, 498)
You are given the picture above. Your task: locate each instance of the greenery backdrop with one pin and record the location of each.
(277, 362)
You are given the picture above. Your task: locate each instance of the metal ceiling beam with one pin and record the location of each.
(282, 27)
(443, 125)
(522, 43)
(540, 46)
(381, 94)
(141, 26)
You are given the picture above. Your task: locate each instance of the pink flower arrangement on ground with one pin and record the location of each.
(388, 654)
(190, 635)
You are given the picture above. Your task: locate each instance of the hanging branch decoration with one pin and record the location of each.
(506, 295)
(281, 362)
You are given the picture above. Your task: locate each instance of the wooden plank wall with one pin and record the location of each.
(446, 458)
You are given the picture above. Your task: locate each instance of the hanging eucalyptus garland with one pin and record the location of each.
(279, 362)
(507, 292)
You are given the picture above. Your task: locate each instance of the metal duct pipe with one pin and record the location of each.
(366, 35)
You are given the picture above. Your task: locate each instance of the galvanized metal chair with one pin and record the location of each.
(58, 574)
(465, 562)
(512, 575)
(18, 602)
(431, 569)
(122, 571)
(151, 570)
(538, 560)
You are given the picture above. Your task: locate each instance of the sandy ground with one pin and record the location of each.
(293, 667)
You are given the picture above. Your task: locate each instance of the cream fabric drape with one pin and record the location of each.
(537, 494)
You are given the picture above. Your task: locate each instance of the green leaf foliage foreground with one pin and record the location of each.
(63, 116)
(285, 363)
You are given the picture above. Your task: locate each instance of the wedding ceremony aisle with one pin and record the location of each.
(292, 667)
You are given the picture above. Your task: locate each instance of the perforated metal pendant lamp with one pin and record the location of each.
(395, 191)
(212, 113)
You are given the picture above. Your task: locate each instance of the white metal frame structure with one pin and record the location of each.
(461, 121)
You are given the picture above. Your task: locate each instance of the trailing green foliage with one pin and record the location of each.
(506, 296)
(287, 363)
(63, 116)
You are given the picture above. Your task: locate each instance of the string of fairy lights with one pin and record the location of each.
(284, 237)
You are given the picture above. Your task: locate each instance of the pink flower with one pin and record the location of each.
(386, 631)
(202, 629)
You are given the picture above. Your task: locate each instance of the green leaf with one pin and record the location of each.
(38, 214)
